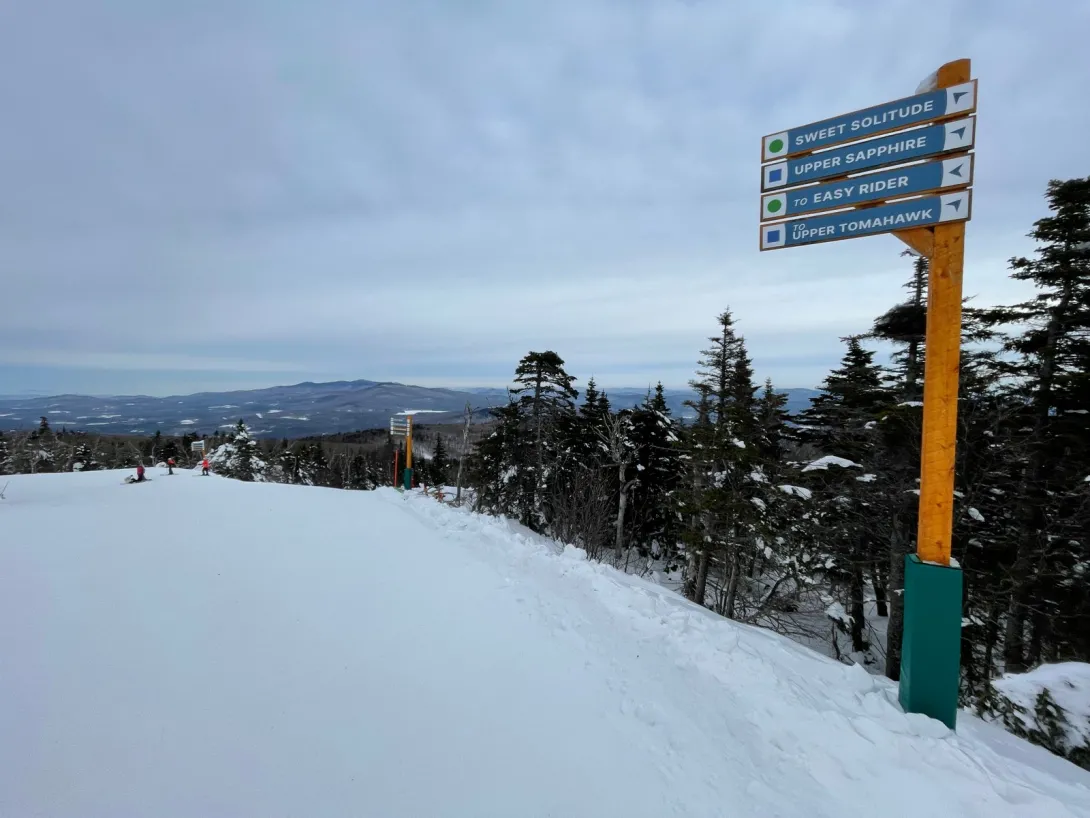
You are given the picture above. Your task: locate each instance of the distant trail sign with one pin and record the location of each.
(889, 116)
(924, 211)
(903, 146)
(909, 180)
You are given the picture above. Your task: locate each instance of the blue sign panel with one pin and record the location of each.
(874, 153)
(850, 224)
(909, 180)
(890, 116)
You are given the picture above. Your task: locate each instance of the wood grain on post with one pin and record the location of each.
(941, 371)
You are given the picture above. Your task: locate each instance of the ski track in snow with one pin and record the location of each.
(316, 652)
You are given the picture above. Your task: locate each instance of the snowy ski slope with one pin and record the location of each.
(201, 647)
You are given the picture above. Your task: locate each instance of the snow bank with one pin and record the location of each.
(1067, 685)
(302, 651)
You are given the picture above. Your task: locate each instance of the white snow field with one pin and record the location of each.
(201, 647)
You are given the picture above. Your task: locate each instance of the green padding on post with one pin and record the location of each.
(931, 649)
(407, 479)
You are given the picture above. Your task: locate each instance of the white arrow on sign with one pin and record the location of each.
(954, 206)
(959, 134)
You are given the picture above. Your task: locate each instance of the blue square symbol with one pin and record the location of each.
(775, 175)
(772, 236)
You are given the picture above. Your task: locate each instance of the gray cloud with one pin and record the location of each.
(426, 190)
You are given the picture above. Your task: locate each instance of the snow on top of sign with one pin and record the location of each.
(928, 83)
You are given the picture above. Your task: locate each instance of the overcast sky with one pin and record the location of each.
(250, 192)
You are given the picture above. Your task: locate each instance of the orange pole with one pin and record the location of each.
(941, 375)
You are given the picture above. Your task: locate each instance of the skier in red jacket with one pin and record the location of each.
(139, 472)
(204, 467)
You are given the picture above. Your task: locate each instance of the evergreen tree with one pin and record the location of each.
(1051, 377)
(771, 414)
(905, 325)
(170, 450)
(84, 459)
(7, 465)
(585, 431)
(440, 462)
(546, 401)
(317, 465)
(239, 458)
(840, 425)
(500, 466)
(725, 450)
(655, 520)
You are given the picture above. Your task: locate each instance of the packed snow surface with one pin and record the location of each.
(195, 646)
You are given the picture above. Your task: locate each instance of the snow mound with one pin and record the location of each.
(304, 651)
(1068, 685)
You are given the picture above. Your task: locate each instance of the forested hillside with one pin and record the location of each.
(801, 523)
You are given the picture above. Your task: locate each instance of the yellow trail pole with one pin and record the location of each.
(941, 369)
(409, 445)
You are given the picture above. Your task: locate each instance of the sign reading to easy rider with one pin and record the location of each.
(890, 116)
(885, 150)
(924, 211)
(909, 180)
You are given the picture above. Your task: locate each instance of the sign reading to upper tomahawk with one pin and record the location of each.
(843, 152)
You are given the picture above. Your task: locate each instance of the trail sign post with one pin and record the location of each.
(930, 124)
(402, 426)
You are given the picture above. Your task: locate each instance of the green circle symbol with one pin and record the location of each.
(775, 146)
(774, 205)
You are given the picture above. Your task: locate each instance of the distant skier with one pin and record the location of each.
(139, 472)
(170, 465)
(204, 467)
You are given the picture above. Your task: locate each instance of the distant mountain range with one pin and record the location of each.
(288, 411)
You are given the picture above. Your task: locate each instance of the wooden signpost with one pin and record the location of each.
(926, 205)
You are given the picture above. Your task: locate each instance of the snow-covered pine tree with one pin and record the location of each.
(499, 468)
(6, 465)
(84, 459)
(655, 521)
(239, 459)
(317, 465)
(839, 426)
(545, 398)
(723, 444)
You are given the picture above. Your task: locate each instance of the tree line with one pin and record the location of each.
(360, 461)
